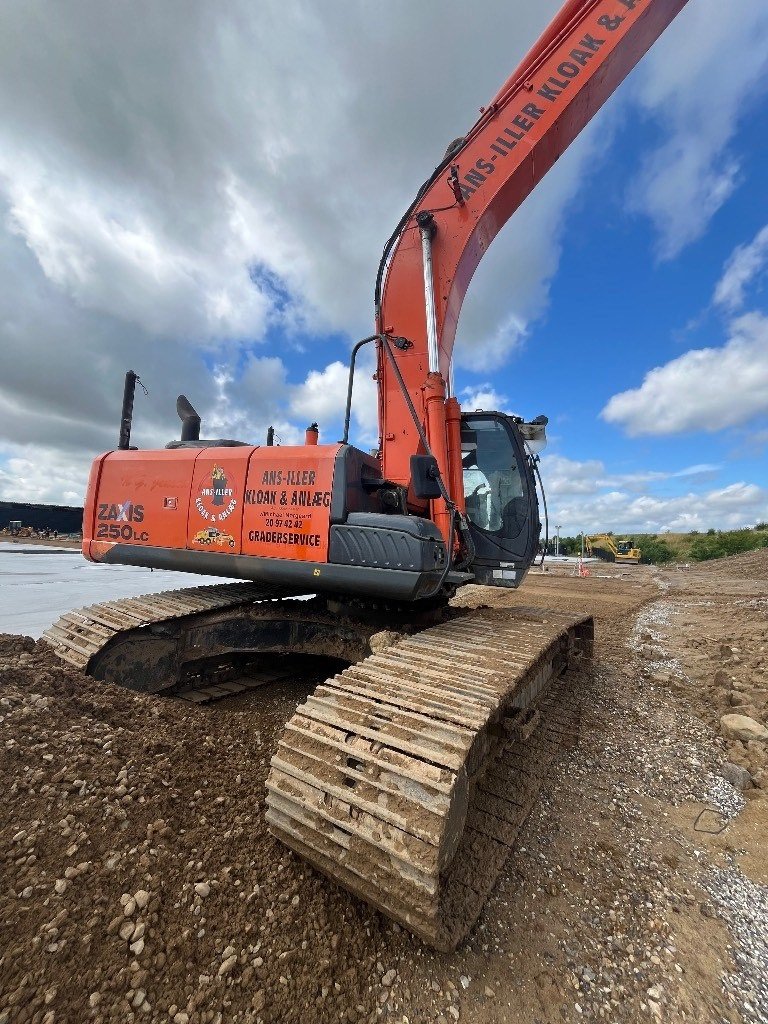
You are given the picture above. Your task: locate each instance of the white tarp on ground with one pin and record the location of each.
(572, 559)
(38, 584)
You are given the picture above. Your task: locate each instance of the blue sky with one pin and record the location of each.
(618, 309)
(209, 210)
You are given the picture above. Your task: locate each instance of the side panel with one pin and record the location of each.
(287, 505)
(216, 502)
(267, 502)
(141, 499)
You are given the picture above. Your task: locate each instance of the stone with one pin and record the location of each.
(227, 965)
(389, 977)
(738, 777)
(129, 907)
(142, 898)
(126, 930)
(258, 1001)
(60, 886)
(740, 727)
(202, 889)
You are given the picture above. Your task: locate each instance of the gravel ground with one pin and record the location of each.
(139, 882)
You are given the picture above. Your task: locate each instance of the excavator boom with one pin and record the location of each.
(579, 61)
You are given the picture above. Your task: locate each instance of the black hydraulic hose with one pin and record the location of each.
(449, 560)
(444, 164)
(535, 464)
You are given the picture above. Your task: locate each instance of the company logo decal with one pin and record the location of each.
(216, 502)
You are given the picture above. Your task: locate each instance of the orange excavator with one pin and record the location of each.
(407, 775)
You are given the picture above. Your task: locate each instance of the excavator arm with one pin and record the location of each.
(428, 263)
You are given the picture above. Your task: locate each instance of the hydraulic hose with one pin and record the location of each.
(535, 463)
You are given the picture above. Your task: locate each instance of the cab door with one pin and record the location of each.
(500, 496)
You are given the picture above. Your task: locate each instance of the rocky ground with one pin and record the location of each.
(138, 881)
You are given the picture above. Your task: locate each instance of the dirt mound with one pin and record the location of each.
(749, 565)
(138, 875)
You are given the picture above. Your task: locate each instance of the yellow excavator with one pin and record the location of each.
(612, 550)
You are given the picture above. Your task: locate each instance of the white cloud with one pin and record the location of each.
(570, 476)
(588, 496)
(704, 389)
(42, 475)
(483, 396)
(102, 252)
(177, 179)
(585, 498)
(745, 263)
(700, 80)
(322, 397)
(323, 394)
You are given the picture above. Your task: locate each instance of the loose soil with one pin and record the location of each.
(139, 881)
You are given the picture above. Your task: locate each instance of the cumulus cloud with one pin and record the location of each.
(589, 496)
(585, 497)
(729, 508)
(322, 397)
(42, 475)
(742, 267)
(570, 476)
(704, 75)
(179, 181)
(483, 396)
(704, 389)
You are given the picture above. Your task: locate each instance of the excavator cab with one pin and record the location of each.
(500, 496)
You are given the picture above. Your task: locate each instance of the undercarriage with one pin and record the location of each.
(406, 776)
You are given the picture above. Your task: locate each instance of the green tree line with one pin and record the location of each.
(694, 546)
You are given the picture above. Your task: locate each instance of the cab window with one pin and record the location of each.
(494, 490)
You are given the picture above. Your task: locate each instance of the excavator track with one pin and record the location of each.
(87, 637)
(407, 777)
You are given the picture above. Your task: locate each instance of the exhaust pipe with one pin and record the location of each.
(126, 416)
(190, 421)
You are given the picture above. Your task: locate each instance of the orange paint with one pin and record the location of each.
(578, 63)
(288, 503)
(131, 502)
(272, 502)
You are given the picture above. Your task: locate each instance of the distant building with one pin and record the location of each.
(63, 518)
